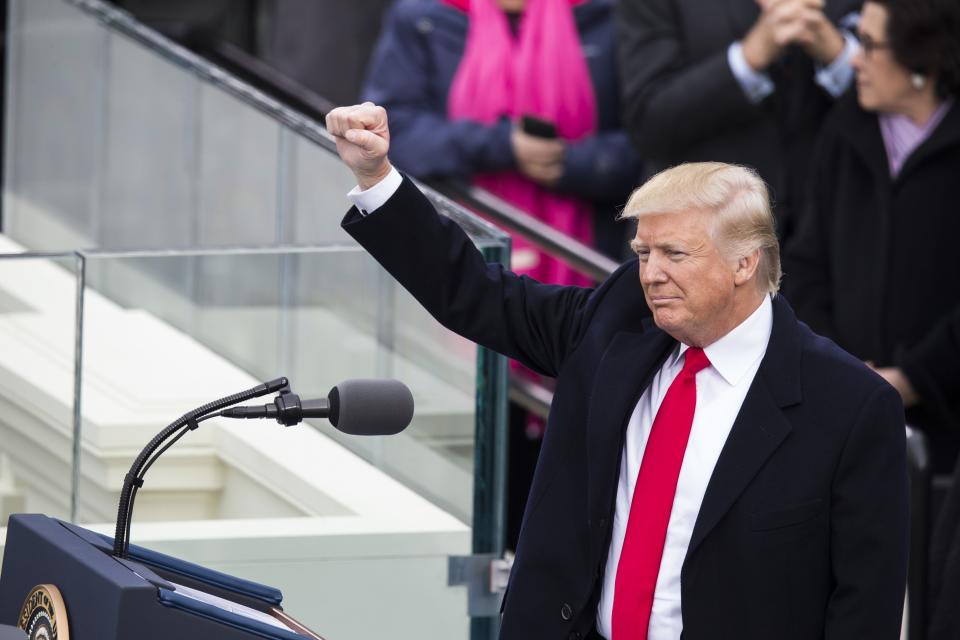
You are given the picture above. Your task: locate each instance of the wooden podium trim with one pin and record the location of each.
(280, 615)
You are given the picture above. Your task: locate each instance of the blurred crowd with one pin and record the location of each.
(845, 108)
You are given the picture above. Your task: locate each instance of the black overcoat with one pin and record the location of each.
(874, 264)
(802, 533)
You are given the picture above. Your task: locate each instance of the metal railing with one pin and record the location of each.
(310, 107)
(581, 257)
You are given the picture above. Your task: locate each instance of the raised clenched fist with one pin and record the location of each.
(363, 139)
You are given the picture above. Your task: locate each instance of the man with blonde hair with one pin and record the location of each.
(719, 472)
(737, 197)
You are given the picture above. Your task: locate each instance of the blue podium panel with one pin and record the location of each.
(148, 596)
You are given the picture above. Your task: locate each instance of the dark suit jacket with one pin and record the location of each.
(803, 529)
(682, 103)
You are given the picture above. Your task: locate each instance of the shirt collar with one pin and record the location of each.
(733, 355)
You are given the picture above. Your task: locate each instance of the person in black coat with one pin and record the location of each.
(791, 501)
(874, 264)
(741, 81)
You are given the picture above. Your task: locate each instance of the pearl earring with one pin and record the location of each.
(918, 81)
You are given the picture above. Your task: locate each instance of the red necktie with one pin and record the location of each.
(652, 502)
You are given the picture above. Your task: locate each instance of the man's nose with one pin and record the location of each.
(651, 271)
(856, 60)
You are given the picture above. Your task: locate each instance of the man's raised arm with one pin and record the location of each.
(438, 263)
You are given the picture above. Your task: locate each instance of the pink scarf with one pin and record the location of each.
(541, 72)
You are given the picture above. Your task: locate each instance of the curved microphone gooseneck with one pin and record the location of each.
(355, 407)
(187, 422)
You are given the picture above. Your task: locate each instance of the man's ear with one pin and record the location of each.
(746, 267)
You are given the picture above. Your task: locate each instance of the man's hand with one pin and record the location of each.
(540, 159)
(363, 139)
(791, 22)
(780, 22)
(821, 40)
(896, 379)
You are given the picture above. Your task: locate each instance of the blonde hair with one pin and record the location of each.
(736, 196)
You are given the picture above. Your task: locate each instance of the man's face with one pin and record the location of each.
(687, 283)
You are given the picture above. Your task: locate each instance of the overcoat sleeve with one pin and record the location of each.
(536, 324)
(869, 524)
(933, 366)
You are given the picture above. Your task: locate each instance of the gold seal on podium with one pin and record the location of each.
(44, 615)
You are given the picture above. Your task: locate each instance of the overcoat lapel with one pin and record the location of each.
(759, 429)
(760, 426)
(625, 370)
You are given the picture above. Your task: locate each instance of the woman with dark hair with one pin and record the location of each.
(875, 263)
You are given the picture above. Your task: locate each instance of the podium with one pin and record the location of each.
(72, 580)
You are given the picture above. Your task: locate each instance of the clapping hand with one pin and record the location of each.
(791, 22)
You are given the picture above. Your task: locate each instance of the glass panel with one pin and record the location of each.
(332, 520)
(37, 340)
(239, 163)
(53, 125)
(116, 137)
(319, 182)
(151, 150)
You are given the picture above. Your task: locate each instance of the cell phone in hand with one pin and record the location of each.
(538, 127)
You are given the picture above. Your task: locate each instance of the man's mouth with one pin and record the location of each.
(661, 300)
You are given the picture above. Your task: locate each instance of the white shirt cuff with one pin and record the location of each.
(373, 198)
(836, 77)
(756, 85)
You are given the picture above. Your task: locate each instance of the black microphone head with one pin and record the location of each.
(366, 407)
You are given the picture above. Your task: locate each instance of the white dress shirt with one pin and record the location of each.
(721, 389)
(373, 198)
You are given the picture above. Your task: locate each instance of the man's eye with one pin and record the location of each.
(675, 255)
(643, 255)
